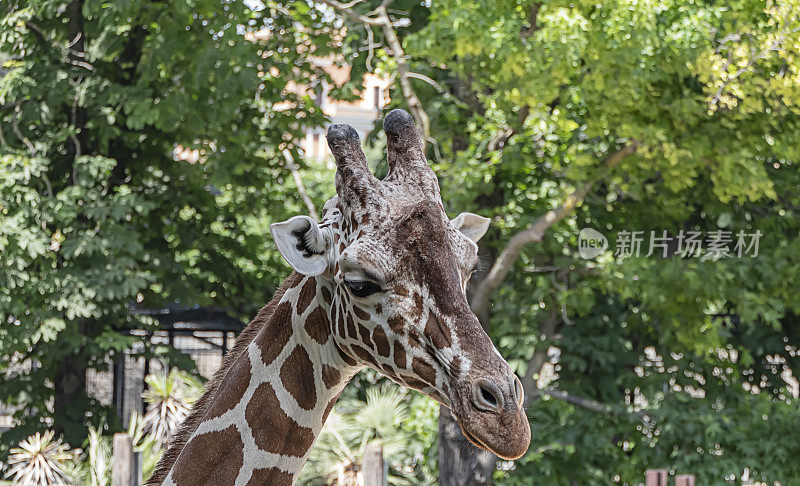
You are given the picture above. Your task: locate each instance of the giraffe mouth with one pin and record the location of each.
(475, 441)
(499, 451)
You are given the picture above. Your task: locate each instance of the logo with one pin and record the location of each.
(591, 243)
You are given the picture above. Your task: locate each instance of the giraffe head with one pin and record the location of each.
(394, 271)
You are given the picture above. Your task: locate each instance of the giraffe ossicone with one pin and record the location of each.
(380, 281)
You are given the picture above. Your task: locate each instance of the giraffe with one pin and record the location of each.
(380, 281)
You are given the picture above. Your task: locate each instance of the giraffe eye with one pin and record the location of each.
(362, 288)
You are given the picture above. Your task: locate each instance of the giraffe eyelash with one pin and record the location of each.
(481, 265)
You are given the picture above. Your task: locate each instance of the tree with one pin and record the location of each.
(673, 116)
(97, 208)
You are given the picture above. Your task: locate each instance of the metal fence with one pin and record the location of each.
(203, 334)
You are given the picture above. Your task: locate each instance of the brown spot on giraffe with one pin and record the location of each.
(317, 326)
(361, 313)
(307, 295)
(231, 391)
(272, 345)
(206, 449)
(401, 291)
(270, 476)
(272, 429)
(413, 382)
(424, 371)
(330, 376)
(351, 327)
(381, 341)
(438, 333)
(303, 392)
(341, 325)
(396, 324)
(399, 355)
(362, 353)
(414, 340)
(419, 305)
(455, 366)
(326, 295)
(364, 335)
(347, 358)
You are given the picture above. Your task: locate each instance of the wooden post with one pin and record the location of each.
(372, 463)
(684, 480)
(126, 469)
(656, 477)
(340, 474)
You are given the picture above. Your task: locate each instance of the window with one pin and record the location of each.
(377, 97)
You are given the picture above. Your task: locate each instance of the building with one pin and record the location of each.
(360, 114)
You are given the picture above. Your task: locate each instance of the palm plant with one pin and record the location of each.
(169, 400)
(41, 460)
(337, 453)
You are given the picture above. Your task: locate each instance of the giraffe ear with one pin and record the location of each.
(471, 225)
(302, 244)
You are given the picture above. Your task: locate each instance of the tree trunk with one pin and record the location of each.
(461, 463)
(69, 397)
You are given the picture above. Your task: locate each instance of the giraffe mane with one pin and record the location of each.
(200, 407)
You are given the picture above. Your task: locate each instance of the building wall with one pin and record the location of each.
(360, 114)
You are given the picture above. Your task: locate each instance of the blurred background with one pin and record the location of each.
(638, 160)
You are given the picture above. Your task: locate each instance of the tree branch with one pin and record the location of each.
(345, 9)
(505, 261)
(412, 100)
(298, 182)
(428, 80)
(576, 400)
(381, 19)
(586, 403)
(536, 363)
(533, 26)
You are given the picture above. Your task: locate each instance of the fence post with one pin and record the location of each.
(340, 474)
(373, 465)
(684, 480)
(656, 477)
(126, 469)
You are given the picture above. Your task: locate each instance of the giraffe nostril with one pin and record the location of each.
(519, 392)
(486, 396)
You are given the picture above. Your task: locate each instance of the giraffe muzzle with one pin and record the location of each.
(492, 415)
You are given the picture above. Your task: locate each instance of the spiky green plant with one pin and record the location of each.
(98, 455)
(169, 400)
(144, 443)
(41, 460)
(96, 462)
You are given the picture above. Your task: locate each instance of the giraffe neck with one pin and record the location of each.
(270, 406)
